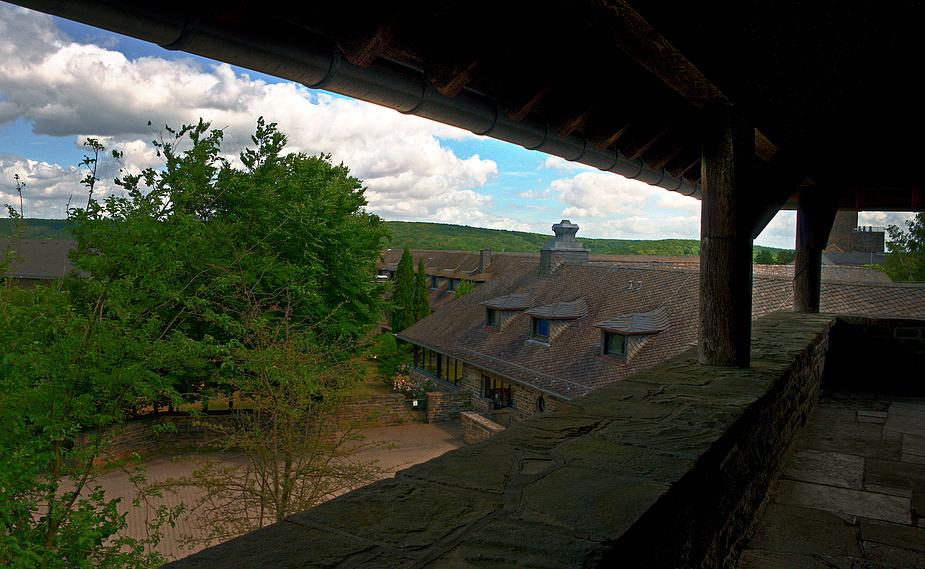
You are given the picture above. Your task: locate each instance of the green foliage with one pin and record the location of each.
(905, 260)
(294, 457)
(764, 257)
(201, 277)
(37, 228)
(421, 292)
(73, 360)
(465, 286)
(785, 257)
(403, 311)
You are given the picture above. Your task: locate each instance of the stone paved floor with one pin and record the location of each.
(413, 444)
(849, 493)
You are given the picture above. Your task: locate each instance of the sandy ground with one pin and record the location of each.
(412, 444)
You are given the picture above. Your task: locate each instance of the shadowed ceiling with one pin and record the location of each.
(825, 84)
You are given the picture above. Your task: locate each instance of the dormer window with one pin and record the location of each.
(433, 282)
(500, 311)
(625, 335)
(452, 286)
(613, 345)
(539, 329)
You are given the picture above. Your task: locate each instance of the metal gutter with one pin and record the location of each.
(295, 53)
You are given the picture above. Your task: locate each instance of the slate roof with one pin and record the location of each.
(663, 299)
(42, 258)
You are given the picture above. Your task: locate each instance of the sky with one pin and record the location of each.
(62, 82)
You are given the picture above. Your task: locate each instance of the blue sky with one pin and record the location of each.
(61, 82)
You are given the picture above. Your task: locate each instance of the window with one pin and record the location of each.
(614, 345)
(539, 329)
(438, 364)
(433, 282)
(498, 390)
(492, 318)
(450, 369)
(452, 286)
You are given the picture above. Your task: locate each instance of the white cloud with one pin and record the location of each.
(68, 89)
(558, 163)
(599, 194)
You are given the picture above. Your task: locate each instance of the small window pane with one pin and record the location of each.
(540, 328)
(614, 344)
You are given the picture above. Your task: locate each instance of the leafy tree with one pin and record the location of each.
(785, 257)
(421, 292)
(905, 260)
(764, 257)
(465, 286)
(71, 361)
(403, 293)
(294, 457)
(166, 312)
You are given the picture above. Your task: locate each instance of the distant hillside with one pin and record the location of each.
(37, 228)
(445, 237)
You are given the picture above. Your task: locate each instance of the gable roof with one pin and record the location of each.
(665, 304)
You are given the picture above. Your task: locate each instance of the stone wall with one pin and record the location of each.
(176, 432)
(447, 405)
(662, 470)
(477, 427)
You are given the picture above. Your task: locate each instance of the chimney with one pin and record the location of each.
(563, 249)
(484, 259)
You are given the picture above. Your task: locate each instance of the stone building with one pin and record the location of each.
(535, 335)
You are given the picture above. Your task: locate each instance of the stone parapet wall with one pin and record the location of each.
(663, 470)
(477, 427)
(176, 432)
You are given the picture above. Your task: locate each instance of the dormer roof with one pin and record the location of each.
(651, 322)
(512, 301)
(561, 310)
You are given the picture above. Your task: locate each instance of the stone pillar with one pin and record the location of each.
(816, 210)
(725, 239)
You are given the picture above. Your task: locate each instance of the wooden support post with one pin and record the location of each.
(725, 240)
(816, 210)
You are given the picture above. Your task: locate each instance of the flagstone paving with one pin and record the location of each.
(852, 494)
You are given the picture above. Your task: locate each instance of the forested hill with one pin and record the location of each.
(37, 228)
(445, 237)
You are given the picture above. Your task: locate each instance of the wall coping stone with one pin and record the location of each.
(663, 469)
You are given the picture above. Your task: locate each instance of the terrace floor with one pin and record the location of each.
(852, 493)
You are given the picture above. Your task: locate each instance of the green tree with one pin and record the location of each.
(764, 257)
(403, 293)
(465, 286)
(421, 292)
(72, 361)
(294, 456)
(905, 260)
(785, 257)
(163, 313)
